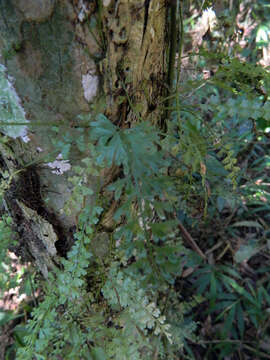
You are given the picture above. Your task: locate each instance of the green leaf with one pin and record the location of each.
(248, 224)
(202, 283)
(99, 354)
(161, 229)
(117, 187)
(213, 290)
(245, 252)
(240, 320)
(221, 202)
(102, 128)
(86, 191)
(230, 271)
(116, 151)
(229, 320)
(239, 289)
(215, 167)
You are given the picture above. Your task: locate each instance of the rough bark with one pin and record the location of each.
(63, 58)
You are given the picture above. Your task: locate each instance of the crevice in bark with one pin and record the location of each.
(29, 191)
(40, 233)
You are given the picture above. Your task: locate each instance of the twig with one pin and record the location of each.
(257, 352)
(215, 247)
(190, 240)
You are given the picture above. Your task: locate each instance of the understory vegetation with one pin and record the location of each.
(184, 270)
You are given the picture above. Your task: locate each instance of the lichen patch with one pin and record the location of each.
(90, 86)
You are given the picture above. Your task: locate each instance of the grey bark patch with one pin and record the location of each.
(35, 10)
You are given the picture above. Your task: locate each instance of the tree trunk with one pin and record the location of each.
(61, 59)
